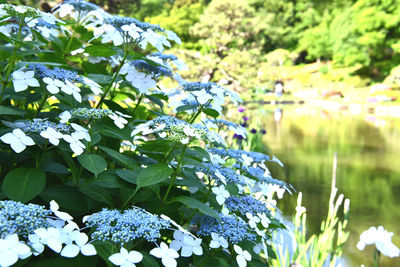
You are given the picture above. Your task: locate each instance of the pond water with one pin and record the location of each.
(368, 168)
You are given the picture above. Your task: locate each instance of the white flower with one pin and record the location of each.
(53, 85)
(221, 193)
(118, 120)
(65, 116)
(80, 239)
(62, 215)
(173, 37)
(382, 240)
(253, 220)
(74, 143)
(265, 221)
(50, 237)
(132, 30)
(53, 136)
(155, 39)
(109, 33)
(202, 96)
(125, 258)
(140, 80)
(81, 132)
(65, 10)
(72, 89)
(247, 160)
(187, 243)
(166, 254)
(96, 89)
(218, 241)
(11, 249)
(17, 140)
(243, 256)
(22, 80)
(34, 242)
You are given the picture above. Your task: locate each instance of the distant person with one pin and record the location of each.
(278, 88)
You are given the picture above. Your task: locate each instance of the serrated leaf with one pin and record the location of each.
(153, 174)
(23, 184)
(93, 163)
(198, 205)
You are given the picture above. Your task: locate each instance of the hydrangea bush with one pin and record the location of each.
(102, 165)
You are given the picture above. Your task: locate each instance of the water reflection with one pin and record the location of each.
(368, 168)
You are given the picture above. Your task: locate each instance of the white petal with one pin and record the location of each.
(247, 255)
(135, 257)
(32, 82)
(52, 89)
(76, 148)
(214, 244)
(26, 140)
(20, 85)
(7, 258)
(168, 262)
(237, 249)
(176, 245)
(198, 250)
(81, 239)
(117, 259)
(157, 252)
(18, 146)
(241, 261)
(70, 251)
(21, 249)
(88, 250)
(54, 244)
(9, 138)
(187, 251)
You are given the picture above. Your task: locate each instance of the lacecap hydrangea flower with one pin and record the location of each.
(123, 227)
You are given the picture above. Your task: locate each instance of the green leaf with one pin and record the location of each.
(54, 167)
(153, 174)
(23, 184)
(108, 180)
(200, 153)
(156, 146)
(100, 50)
(149, 260)
(93, 163)
(198, 205)
(97, 193)
(105, 249)
(11, 111)
(66, 196)
(211, 112)
(128, 175)
(100, 78)
(121, 158)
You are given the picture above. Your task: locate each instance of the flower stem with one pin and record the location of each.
(113, 80)
(12, 60)
(138, 102)
(175, 174)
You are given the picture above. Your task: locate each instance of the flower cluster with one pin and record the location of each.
(37, 227)
(204, 94)
(219, 173)
(230, 227)
(82, 11)
(246, 204)
(122, 227)
(40, 125)
(68, 81)
(219, 123)
(177, 130)
(89, 113)
(244, 157)
(22, 219)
